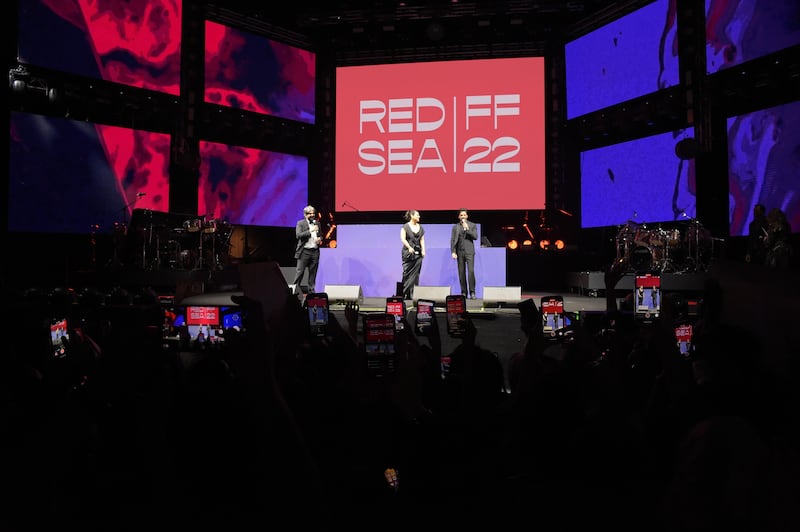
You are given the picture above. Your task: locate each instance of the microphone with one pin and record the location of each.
(140, 194)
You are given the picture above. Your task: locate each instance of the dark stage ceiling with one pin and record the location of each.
(359, 25)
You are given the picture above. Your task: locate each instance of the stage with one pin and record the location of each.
(592, 283)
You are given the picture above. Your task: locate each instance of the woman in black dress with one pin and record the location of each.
(412, 235)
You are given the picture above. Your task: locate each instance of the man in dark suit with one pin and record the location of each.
(462, 248)
(307, 233)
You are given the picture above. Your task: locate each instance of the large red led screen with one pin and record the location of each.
(252, 72)
(248, 186)
(77, 177)
(137, 43)
(440, 135)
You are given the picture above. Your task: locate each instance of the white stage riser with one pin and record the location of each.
(369, 256)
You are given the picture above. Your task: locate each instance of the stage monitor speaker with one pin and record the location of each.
(437, 294)
(501, 296)
(344, 293)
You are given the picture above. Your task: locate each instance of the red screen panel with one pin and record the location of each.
(440, 135)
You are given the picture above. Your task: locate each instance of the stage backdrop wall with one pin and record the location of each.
(369, 255)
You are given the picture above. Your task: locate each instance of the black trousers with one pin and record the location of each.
(466, 272)
(411, 270)
(308, 259)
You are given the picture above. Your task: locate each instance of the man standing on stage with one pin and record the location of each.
(462, 248)
(307, 233)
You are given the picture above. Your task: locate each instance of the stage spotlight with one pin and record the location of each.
(544, 244)
(20, 81)
(513, 244)
(559, 244)
(332, 243)
(527, 243)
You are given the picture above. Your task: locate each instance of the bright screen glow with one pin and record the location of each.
(741, 30)
(641, 180)
(254, 73)
(441, 135)
(630, 57)
(134, 43)
(764, 164)
(248, 186)
(67, 176)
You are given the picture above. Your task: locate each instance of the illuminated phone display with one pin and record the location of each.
(379, 342)
(552, 308)
(456, 306)
(647, 297)
(317, 307)
(396, 306)
(424, 316)
(683, 336)
(59, 332)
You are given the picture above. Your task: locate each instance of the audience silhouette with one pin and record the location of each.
(608, 425)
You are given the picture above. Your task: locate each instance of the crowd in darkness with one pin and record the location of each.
(277, 426)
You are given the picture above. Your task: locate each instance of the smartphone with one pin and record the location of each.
(683, 336)
(58, 332)
(379, 343)
(189, 327)
(646, 296)
(456, 307)
(396, 306)
(553, 317)
(317, 308)
(424, 316)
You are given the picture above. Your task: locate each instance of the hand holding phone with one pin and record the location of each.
(317, 307)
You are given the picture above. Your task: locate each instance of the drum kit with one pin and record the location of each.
(208, 246)
(683, 248)
(163, 241)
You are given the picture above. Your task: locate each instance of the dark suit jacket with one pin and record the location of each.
(302, 233)
(463, 242)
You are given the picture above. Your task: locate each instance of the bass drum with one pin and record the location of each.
(641, 258)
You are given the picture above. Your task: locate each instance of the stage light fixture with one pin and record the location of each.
(544, 244)
(527, 243)
(527, 230)
(330, 236)
(20, 81)
(513, 244)
(559, 244)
